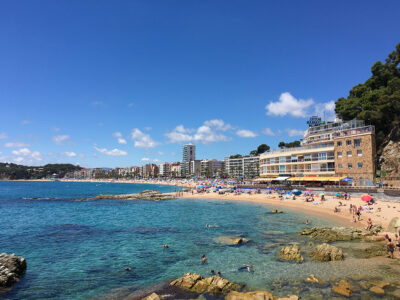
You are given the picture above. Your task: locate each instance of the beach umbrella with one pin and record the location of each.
(297, 193)
(338, 194)
(322, 194)
(200, 186)
(366, 198)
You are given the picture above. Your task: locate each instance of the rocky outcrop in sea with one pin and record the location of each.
(12, 267)
(152, 195)
(325, 252)
(333, 234)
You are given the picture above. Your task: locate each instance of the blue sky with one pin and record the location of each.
(121, 83)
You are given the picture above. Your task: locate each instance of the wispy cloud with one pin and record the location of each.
(244, 133)
(145, 159)
(211, 131)
(142, 140)
(294, 132)
(3, 135)
(61, 139)
(16, 145)
(56, 129)
(119, 137)
(113, 152)
(69, 154)
(268, 131)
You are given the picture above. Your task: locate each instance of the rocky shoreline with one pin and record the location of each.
(152, 195)
(12, 267)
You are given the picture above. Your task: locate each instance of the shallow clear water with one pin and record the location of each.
(79, 250)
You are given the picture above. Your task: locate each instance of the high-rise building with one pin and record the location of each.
(242, 167)
(164, 169)
(188, 154)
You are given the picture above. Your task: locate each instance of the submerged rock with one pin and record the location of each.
(196, 283)
(374, 238)
(256, 295)
(152, 296)
(230, 240)
(325, 252)
(12, 267)
(152, 195)
(291, 252)
(314, 279)
(378, 249)
(332, 234)
(377, 290)
(343, 288)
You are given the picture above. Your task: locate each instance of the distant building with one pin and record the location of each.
(212, 168)
(242, 167)
(175, 169)
(329, 152)
(164, 169)
(149, 170)
(195, 168)
(188, 154)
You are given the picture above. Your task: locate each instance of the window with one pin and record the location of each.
(307, 157)
(293, 158)
(322, 156)
(348, 142)
(357, 143)
(272, 160)
(339, 144)
(349, 154)
(359, 165)
(339, 154)
(350, 166)
(282, 169)
(282, 159)
(340, 166)
(359, 152)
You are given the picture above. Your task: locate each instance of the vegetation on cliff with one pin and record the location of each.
(14, 171)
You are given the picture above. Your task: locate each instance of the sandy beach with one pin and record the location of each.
(326, 208)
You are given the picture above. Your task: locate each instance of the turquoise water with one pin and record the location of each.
(79, 250)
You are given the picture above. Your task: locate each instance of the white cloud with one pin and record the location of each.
(268, 131)
(218, 124)
(289, 105)
(119, 137)
(295, 132)
(209, 132)
(244, 133)
(113, 152)
(61, 139)
(16, 145)
(23, 151)
(25, 122)
(325, 110)
(25, 155)
(69, 154)
(145, 159)
(142, 140)
(3, 135)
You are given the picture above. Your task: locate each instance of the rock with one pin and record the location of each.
(196, 283)
(230, 240)
(256, 295)
(275, 211)
(152, 195)
(325, 252)
(375, 229)
(372, 251)
(394, 224)
(12, 267)
(374, 238)
(314, 279)
(343, 288)
(153, 296)
(381, 284)
(377, 290)
(331, 234)
(389, 152)
(293, 297)
(291, 253)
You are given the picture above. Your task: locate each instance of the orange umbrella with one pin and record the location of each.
(366, 198)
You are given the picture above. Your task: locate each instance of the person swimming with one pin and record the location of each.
(248, 268)
(128, 269)
(307, 222)
(203, 259)
(165, 246)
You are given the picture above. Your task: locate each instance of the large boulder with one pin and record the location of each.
(228, 240)
(196, 283)
(332, 234)
(394, 224)
(291, 252)
(374, 238)
(343, 288)
(325, 252)
(152, 296)
(12, 267)
(256, 295)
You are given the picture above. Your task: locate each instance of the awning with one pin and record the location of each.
(316, 178)
(280, 178)
(265, 179)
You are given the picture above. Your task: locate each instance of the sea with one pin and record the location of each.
(80, 250)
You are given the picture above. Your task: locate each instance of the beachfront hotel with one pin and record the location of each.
(334, 152)
(188, 155)
(242, 167)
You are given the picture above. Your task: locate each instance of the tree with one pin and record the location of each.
(263, 148)
(253, 153)
(236, 156)
(281, 145)
(377, 100)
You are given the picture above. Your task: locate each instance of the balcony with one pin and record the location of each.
(300, 160)
(300, 171)
(298, 149)
(354, 131)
